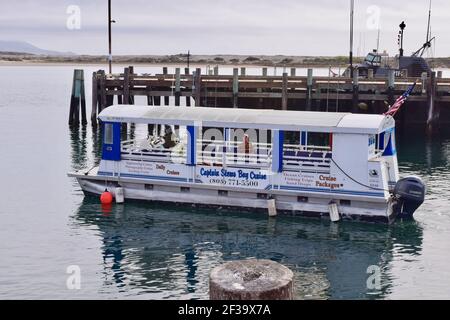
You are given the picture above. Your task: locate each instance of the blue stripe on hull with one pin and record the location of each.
(269, 187)
(129, 175)
(359, 193)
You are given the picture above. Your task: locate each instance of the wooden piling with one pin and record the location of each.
(284, 92)
(166, 98)
(94, 98)
(433, 107)
(177, 86)
(391, 87)
(102, 104)
(77, 99)
(424, 77)
(309, 85)
(264, 72)
(293, 70)
(131, 77)
(355, 100)
(235, 87)
(150, 127)
(126, 85)
(198, 89)
(188, 98)
(251, 280)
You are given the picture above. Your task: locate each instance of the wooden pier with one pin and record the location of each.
(285, 92)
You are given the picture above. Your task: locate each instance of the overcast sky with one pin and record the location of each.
(287, 27)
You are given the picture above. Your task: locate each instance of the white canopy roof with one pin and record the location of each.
(248, 118)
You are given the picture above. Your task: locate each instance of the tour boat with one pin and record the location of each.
(336, 165)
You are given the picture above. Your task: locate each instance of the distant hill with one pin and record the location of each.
(25, 47)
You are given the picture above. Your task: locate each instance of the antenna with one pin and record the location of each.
(429, 24)
(427, 44)
(378, 40)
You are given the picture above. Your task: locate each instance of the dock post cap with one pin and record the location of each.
(251, 280)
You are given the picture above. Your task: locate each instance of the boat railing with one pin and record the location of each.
(143, 150)
(311, 158)
(229, 153)
(232, 153)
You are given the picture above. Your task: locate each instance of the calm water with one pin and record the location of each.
(146, 251)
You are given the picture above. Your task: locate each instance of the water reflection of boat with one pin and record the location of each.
(167, 252)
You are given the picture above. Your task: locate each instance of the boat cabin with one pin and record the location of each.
(352, 154)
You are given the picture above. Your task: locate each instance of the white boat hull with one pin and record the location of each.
(286, 202)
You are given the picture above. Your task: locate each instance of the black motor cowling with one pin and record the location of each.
(410, 194)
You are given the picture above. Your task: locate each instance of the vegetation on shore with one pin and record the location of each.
(257, 60)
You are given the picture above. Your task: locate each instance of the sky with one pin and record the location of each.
(247, 27)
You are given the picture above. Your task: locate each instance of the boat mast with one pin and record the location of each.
(429, 24)
(352, 9)
(378, 40)
(427, 44)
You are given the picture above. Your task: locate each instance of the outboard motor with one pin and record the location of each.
(410, 194)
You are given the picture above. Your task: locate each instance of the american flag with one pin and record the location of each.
(400, 101)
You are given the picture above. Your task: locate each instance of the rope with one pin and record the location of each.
(360, 183)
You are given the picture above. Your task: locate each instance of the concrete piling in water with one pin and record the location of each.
(251, 280)
(77, 99)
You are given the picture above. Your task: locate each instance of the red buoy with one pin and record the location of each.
(106, 197)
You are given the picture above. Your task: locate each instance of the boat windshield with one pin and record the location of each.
(373, 59)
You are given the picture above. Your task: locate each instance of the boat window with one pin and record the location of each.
(307, 151)
(163, 143)
(369, 57)
(382, 141)
(108, 133)
(319, 139)
(231, 146)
